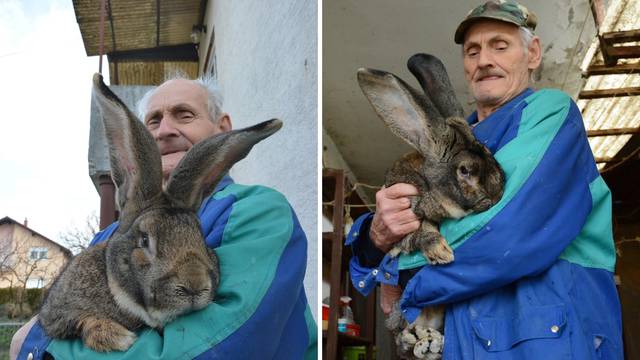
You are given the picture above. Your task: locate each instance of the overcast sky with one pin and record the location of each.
(45, 92)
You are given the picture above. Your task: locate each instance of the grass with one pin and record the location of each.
(6, 333)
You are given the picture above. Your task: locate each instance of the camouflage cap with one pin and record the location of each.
(502, 10)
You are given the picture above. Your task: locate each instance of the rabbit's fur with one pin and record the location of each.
(454, 173)
(156, 265)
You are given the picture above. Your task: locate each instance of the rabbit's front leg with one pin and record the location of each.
(432, 244)
(104, 335)
(428, 238)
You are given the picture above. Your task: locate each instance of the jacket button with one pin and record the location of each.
(30, 356)
(361, 284)
(374, 272)
(387, 276)
(488, 343)
(555, 329)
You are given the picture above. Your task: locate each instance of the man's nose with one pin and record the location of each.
(165, 129)
(485, 58)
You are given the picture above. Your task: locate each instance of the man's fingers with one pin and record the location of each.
(400, 190)
(400, 218)
(389, 296)
(387, 205)
(401, 230)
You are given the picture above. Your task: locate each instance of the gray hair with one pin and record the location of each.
(207, 82)
(527, 37)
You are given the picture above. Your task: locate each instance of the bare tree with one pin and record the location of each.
(78, 238)
(18, 265)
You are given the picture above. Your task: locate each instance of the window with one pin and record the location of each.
(35, 283)
(37, 253)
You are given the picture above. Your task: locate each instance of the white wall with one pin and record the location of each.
(266, 65)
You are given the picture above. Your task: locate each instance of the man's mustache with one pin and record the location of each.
(486, 73)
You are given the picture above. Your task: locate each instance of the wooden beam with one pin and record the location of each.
(608, 132)
(157, 23)
(624, 52)
(612, 70)
(622, 36)
(181, 52)
(606, 159)
(598, 12)
(607, 93)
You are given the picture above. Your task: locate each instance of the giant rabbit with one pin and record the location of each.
(156, 265)
(454, 173)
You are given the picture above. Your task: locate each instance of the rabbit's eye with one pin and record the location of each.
(144, 240)
(464, 171)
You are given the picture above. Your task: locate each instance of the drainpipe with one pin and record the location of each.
(107, 201)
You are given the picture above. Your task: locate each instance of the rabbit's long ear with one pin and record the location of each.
(207, 161)
(408, 114)
(433, 78)
(135, 160)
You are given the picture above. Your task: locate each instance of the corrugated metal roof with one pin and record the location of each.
(137, 24)
(141, 35)
(612, 112)
(151, 72)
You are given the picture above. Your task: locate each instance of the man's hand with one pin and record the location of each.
(390, 294)
(393, 218)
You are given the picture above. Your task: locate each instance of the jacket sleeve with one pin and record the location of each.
(260, 309)
(368, 265)
(529, 233)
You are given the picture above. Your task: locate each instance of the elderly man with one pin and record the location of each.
(260, 310)
(534, 277)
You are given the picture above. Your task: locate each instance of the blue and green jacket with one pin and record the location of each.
(533, 275)
(260, 311)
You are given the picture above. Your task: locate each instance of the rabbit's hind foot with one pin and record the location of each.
(104, 335)
(430, 345)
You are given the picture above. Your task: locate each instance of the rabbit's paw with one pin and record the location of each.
(422, 332)
(430, 345)
(106, 335)
(405, 340)
(440, 252)
(395, 251)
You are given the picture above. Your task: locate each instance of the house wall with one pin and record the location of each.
(21, 241)
(265, 60)
(6, 231)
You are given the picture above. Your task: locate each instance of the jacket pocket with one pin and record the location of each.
(534, 330)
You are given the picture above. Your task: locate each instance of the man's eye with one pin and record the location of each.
(152, 123)
(186, 115)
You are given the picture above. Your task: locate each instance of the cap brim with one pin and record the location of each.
(464, 25)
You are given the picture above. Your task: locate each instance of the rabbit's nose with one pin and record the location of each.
(191, 291)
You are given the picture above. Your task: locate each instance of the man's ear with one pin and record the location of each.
(224, 122)
(534, 54)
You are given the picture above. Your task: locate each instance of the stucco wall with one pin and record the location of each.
(266, 65)
(19, 244)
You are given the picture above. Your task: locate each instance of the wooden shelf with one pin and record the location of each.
(334, 252)
(349, 340)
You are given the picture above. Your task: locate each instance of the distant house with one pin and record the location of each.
(27, 258)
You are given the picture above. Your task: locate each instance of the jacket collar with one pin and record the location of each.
(473, 118)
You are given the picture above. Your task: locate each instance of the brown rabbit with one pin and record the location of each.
(156, 265)
(454, 173)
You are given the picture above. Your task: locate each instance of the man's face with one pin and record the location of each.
(177, 117)
(496, 65)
